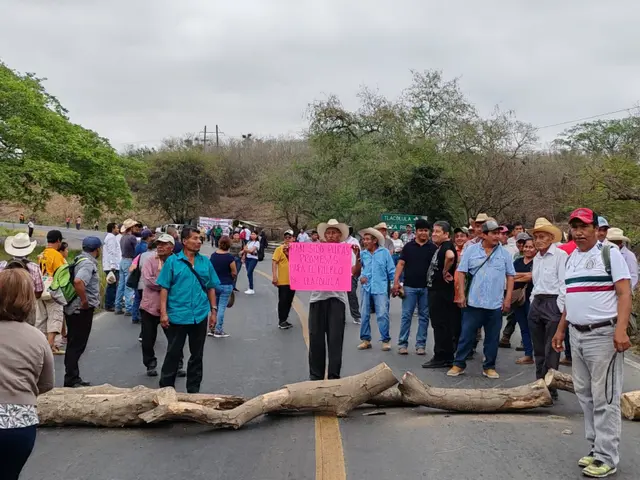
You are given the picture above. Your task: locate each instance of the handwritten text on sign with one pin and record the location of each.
(320, 266)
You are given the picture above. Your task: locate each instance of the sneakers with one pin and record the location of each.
(598, 469)
(525, 361)
(284, 325)
(220, 334)
(586, 461)
(366, 344)
(420, 351)
(182, 373)
(455, 371)
(386, 346)
(357, 321)
(403, 351)
(250, 292)
(490, 373)
(210, 333)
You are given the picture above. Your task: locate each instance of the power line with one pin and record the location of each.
(586, 118)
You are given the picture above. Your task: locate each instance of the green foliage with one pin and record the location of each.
(604, 138)
(42, 152)
(182, 182)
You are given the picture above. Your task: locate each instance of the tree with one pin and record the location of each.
(181, 182)
(42, 152)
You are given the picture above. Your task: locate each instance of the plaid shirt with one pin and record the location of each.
(34, 271)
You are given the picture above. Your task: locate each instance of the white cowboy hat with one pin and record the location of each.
(381, 225)
(544, 225)
(375, 233)
(481, 217)
(333, 223)
(617, 235)
(128, 223)
(19, 245)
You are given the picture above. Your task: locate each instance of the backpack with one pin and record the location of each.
(62, 290)
(243, 235)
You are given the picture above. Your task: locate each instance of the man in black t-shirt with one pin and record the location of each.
(414, 262)
(445, 314)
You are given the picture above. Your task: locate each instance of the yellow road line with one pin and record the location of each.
(329, 452)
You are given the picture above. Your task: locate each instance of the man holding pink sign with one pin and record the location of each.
(325, 270)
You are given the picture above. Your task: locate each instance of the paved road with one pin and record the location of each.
(403, 444)
(72, 236)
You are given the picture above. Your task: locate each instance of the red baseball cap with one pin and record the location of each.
(585, 215)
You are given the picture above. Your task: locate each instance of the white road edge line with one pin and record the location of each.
(632, 363)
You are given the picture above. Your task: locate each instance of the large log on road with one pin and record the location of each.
(630, 405)
(559, 381)
(336, 397)
(484, 400)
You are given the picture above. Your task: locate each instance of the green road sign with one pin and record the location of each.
(398, 221)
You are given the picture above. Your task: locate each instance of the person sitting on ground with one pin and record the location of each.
(26, 371)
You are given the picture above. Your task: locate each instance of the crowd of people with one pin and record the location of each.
(566, 292)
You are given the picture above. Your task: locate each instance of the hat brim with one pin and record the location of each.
(620, 238)
(18, 252)
(551, 229)
(375, 233)
(344, 230)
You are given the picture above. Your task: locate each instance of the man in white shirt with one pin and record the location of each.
(111, 257)
(547, 296)
(354, 306)
(597, 308)
(616, 236)
(303, 237)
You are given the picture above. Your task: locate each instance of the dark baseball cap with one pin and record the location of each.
(146, 233)
(91, 244)
(585, 215)
(54, 236)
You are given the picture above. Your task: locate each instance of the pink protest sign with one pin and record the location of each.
(320, 266)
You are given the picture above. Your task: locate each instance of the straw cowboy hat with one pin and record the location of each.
(381, 225)
(19, 245)
(333, 223)
(616, 235)
(544, 225)
(128, 223)
(482, 217)
(375, 233)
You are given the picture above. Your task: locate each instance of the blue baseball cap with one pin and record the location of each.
(91, 244)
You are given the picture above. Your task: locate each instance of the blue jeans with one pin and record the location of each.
(414, 297)
(472, 319)
(521, 314)
(16, 444)
(223, 292)
(124, 295)
(381, 304)
(135, 310)
(251, 266)
(238, 262)
(110, 291)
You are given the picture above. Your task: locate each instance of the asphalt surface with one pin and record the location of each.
(409, 443)
(72, 236)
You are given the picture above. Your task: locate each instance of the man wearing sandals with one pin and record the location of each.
(597, 310)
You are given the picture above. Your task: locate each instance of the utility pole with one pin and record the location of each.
(217, 138)
(204, 137)
(204, 141)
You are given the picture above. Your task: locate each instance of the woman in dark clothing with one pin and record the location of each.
(235, 250)
(264, 243)
(225, 266)
(523, 280)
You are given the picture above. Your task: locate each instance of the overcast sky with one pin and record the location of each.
(137, 71)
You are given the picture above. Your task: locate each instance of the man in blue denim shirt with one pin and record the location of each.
(492, 268)
(414, 263)
(376, 270)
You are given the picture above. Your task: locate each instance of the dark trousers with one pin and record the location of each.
(78, 330)
(354, 306)
(177, 336)
(110, 291)
(544, 317)
(16, 444)
(445, 321)
(285, 299)
(149, 334)
(326, 332)
(510, 327)
(30, 232)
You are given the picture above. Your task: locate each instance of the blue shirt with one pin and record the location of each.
(141, 248)
(489, 282)
(378, 268)
(187, 303)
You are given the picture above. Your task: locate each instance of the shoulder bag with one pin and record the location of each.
(469, 276)
(193, 270)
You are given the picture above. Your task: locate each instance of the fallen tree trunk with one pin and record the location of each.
(559, 381)
(391, 397)
(336, 397)
(109, 406)
(630, 405)
(485, 400)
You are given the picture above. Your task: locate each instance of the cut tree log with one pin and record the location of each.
(336, 397)
(109, 406)
(391, 397)
(486, 400)
(630, 405)
(559, 381)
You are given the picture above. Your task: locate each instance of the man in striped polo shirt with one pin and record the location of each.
(597, 309)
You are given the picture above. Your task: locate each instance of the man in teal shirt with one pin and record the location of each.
(187, 301)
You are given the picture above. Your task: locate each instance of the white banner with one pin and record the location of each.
(210, 222)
